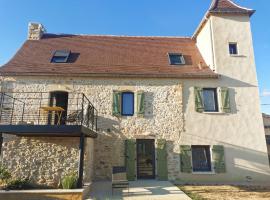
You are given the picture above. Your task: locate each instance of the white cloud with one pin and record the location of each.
(266, 93)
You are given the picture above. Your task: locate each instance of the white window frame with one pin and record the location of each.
(211, 160)
(237, 49)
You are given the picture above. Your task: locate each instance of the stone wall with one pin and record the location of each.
(44, 160)
(163, 116)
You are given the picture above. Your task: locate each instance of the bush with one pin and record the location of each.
(69, 181)
(5, 175)
(19, 184)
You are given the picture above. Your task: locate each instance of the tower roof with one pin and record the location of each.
(228, 6)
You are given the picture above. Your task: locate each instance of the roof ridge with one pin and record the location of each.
(124, 36)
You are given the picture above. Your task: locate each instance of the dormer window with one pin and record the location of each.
(176, 59)
(233, 48)
(60, 56)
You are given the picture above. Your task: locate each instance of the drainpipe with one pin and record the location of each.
(81, 161)
(212, 44)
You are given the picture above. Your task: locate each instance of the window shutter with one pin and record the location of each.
(218, 158)
(116, 106)
(185, 158)
(140, 103)
(130, 161)
(162, 169)
(225, 100)
(199, 107)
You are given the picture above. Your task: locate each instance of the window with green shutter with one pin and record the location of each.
(116, 105)
(140, 103)
(198, 94)
(225, 100)
(218, 158)
(185, 158)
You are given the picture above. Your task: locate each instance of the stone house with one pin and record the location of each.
(266, 122)
(170, 108)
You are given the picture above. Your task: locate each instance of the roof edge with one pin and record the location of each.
(184, 76)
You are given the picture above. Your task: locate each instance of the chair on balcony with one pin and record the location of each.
(119, 178)
(75, 116)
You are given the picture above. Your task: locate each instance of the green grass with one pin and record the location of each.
(193, 196)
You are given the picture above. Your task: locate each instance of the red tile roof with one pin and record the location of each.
(228, 6)
(108, 56)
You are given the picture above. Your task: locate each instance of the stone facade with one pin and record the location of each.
(163, 115)
(44, 160)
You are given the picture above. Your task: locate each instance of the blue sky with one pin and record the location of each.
(127, 17)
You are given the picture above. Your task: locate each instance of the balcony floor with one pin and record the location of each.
(48, 130)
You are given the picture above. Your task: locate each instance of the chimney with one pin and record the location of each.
(35, 31)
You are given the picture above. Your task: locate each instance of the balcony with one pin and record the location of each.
(41, 114)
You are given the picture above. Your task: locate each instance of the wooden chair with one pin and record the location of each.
(74, 116)
(119, 178)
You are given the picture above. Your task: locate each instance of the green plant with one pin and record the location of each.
(5, 175)
(19, 184)
(69, 181)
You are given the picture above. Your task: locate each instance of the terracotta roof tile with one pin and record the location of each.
(108, 56)
(228, 6)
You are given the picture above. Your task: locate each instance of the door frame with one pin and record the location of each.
(153, 158)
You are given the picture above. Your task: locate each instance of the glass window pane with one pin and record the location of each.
(209, 100)
(233, 49)
(176, 59)
(127, 103)
(201, 161)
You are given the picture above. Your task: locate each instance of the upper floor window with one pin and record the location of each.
(233, 48)
(210, 100)
(201, 159)
(176, 59)
(127, 104)
(60, 56)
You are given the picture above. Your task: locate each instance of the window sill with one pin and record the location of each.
(217, 113)
(237, 55)
(204, 173)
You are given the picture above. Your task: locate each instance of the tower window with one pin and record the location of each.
(233, 48)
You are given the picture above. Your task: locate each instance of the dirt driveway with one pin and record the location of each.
(227, 192)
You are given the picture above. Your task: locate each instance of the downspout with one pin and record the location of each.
(212, 45)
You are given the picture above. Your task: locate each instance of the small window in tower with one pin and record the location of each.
(176, 59)
(233, 48)
(60, 56)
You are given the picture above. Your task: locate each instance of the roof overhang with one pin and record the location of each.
(213, 75)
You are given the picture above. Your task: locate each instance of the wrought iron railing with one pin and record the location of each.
(36, 108)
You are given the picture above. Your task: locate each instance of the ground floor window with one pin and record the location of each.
(201, 159)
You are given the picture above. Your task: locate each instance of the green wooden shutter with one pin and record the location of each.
(199, 107)
(218, 158)
(225, 100)
(130, 153)
(140, 103)
(185, 158)
(162, 169)
(116, 106)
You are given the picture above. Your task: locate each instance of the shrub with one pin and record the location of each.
(5, 175)
(69, 181)
(19, 184)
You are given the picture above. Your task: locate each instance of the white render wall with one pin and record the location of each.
(242, 131)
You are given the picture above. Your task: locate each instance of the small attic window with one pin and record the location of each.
(176, 59)
(60, 56)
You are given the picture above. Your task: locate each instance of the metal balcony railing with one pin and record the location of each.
(40, 108)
